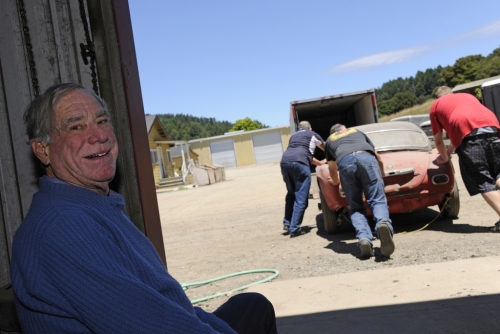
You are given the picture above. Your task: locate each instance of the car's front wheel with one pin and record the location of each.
(452, 207)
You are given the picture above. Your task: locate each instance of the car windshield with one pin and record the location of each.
(393, 139)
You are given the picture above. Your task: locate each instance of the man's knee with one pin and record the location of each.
(248, 313)
(250, 298)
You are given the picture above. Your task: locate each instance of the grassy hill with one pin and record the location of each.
(415, 110)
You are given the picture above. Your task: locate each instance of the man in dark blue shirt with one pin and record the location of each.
(352, 154)
(296, 171)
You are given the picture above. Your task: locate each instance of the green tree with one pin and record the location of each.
(404, 100)
(399, 102)
(446, 76)
(464, 70)
(489, 66)
(478, 93)
(421, 85)
(385, 107)
(247, 124)
(187, 127)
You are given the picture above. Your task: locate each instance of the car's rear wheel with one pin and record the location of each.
(452, 207)
(329, 217)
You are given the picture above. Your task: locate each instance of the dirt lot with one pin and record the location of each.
(236, 225)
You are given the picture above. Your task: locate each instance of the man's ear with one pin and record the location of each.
(41, 151)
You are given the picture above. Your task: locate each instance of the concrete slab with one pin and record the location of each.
(450, 297)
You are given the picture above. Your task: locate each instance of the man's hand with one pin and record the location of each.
(380, 163)
(333, 183)
(440, 160)
(317, 162)
(333, 179)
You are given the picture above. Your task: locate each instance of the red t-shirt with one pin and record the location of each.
(459, 114)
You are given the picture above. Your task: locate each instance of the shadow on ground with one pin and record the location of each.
(476, 314)
(402, 222)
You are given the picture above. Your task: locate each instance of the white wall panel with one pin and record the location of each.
(267, 147)
(222, 152)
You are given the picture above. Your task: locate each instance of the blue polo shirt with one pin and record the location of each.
(301, 147)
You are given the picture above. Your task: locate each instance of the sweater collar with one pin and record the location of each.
(69, 191)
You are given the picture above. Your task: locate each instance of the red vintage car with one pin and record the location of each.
(412, 178)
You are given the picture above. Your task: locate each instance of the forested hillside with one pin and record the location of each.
(398, 94)
(187, 127)
(393, 96)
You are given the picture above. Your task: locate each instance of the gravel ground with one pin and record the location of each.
(236, 225)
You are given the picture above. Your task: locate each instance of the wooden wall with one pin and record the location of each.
(55, 31)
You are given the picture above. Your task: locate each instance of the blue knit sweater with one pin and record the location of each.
(79, 265)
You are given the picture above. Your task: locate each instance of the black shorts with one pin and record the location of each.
(479, 161)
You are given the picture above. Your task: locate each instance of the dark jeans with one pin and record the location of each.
(248, 313)
(297, 178)
(359, 172)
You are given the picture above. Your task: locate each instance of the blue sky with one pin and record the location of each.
(235, 59)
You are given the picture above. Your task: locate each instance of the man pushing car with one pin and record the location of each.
(351, 154)
(473, 131)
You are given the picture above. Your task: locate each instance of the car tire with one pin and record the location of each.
(453, 206)
(329, 217)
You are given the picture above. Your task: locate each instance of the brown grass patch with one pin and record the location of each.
(415, 110)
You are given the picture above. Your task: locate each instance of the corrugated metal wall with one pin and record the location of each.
(244, 149)
(242, 143)
(285, 137)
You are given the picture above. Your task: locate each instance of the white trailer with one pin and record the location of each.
(350, 109)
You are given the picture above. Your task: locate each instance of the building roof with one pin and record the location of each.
(150, 120)
(470, 86)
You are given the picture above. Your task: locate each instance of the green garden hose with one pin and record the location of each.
(185, 286)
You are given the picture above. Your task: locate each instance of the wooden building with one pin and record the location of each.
(172, 160)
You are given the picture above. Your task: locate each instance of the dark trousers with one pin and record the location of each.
(360, 173)
(248, 313)
(297, 177)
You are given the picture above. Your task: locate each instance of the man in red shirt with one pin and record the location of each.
(473, 131)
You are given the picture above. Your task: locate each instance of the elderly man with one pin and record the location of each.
(79, 265)
(352, 154)
(473, 131)
(296, 171)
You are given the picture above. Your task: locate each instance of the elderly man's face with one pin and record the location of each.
(83, 148)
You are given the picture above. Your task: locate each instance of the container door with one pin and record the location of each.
(491, 97)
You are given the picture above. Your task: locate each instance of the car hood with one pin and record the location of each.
(405, 170)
